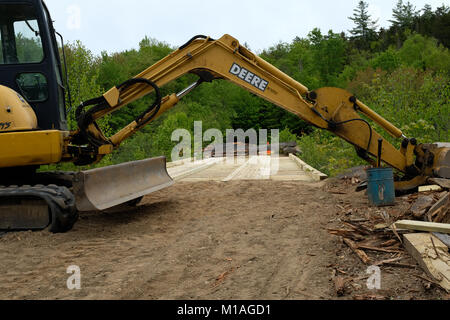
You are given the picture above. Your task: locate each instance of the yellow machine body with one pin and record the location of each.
(31, 148)
(15, 112)
(20, 141)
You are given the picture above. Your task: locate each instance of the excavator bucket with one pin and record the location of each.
(100, 189)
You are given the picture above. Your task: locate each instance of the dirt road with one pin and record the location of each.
(205, 240)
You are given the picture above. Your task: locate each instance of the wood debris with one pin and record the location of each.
(340, 285)
(361, 254)
(221, 278)
(389, 243)
(421, 206)
(440, 209)
(378, 236)
(379, 249)
(346, 234)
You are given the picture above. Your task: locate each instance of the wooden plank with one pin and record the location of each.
(423, 226)
(432, 256)
(238, 171)
(313, 172)
(193, 170)
(430, 188)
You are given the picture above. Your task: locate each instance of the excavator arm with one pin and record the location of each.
(331, 109)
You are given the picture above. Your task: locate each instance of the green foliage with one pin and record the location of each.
(417, 102)
(425, 22)
(424, 53)
(29, 50)
(83, 70)
(287, 136)
(327, 153)
(388, 60)
(163, 139)
(365, 28)
(426, 107)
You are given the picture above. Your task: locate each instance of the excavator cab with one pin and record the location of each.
(30, 62)
(34, 132)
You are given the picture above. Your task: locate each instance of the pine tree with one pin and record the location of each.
(427, 12)
(365, 27)
(404, 15)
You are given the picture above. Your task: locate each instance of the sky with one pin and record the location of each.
(117, 25)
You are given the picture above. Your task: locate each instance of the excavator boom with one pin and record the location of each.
(331, 109)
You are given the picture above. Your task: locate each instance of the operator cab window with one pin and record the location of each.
(19, 35)
(33, 86)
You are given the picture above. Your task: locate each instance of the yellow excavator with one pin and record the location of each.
(34, 130)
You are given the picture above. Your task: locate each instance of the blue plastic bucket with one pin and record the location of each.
(381, 188)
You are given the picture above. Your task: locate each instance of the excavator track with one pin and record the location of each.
(36, 208)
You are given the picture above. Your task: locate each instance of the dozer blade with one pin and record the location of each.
(100, 189)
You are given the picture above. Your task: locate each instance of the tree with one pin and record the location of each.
(404, 15)
(83, 70)
(427, 12)
(328, 55)
(365, 28)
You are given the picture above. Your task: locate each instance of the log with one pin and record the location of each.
(361, 254)
(432, 256)
(423, 226)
